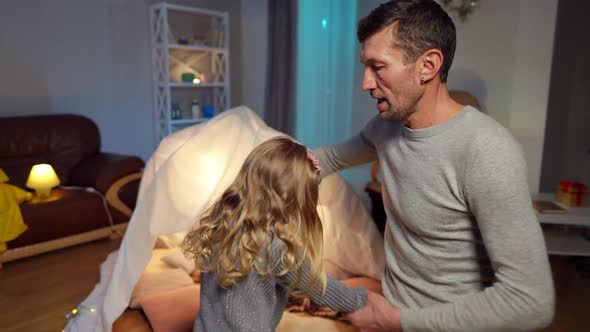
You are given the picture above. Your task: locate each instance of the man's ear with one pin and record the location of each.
(430, 64)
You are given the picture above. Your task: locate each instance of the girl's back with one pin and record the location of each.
(262, 238)
(255, 304)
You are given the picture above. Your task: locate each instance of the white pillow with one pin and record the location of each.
(178, 260)
(153, 284)
(334, 271)
(173, 240)
(351, 240)
(297, 322)
(159, 277)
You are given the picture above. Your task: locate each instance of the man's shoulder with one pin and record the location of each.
(481, 129)
(485, 139)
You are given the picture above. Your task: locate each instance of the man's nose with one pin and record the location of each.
(368, 80)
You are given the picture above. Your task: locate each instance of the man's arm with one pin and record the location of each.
(522, 296)
(377, 315)
(356, 151)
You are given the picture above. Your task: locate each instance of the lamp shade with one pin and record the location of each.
(42, 178)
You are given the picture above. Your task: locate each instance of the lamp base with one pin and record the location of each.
(43, 192)
(44, 196)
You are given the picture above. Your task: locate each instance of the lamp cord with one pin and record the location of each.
(104, 203)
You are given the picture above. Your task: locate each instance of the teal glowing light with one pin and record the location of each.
(325, 71)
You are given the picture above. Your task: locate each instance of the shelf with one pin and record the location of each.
(194, 48)
(192, 10)
(574, 216)
(203, 51)
(188, 121)
(193, 85)
(577, 216)
(567, 243)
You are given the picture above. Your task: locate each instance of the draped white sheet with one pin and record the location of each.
(188, 170)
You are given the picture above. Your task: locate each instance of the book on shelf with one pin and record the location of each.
(548, 207)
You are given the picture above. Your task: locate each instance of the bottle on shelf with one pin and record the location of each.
(196, 109)
(175, 112)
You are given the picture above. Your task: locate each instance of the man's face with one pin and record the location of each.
(395, 86)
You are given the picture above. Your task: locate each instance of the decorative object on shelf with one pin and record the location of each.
(182, 41)
(208, 77)
(208, 111)
(42, 178)
(197, 41)
(188, 77)
(462, 8)
(195, 109)
(572, 194)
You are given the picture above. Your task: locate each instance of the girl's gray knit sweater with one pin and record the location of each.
(257, 302)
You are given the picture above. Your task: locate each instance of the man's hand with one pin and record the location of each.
(377, 315)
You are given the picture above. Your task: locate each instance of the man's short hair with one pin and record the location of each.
(419, 25)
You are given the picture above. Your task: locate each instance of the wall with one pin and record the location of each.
(566, 153)
(91, 58)
(254, 53)
(503, 58)
(532, 75)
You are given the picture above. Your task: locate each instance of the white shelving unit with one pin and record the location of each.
(188, 40)
(565, 237)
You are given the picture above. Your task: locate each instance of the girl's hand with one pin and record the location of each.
(326, 312)
(377, 315)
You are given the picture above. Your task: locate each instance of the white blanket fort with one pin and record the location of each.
(186, 173)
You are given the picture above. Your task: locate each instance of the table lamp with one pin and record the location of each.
(42, 178)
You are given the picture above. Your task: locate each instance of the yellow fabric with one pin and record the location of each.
(11, 220)
(3, 176)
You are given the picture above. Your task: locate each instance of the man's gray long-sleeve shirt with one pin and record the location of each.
(464, 250)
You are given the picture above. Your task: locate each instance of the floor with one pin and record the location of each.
(37, 292)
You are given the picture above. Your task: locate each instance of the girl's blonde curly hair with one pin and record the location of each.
(274, 195)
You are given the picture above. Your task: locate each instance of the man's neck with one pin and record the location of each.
(435, 107)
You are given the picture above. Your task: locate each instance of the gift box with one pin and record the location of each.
(572, 194)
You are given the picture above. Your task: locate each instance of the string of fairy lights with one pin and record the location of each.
(72, 315)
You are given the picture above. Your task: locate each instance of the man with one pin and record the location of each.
(464, 250)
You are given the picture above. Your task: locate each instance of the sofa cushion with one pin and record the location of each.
(59, 140)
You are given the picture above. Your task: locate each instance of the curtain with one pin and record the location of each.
(326, 40)
(279, 112)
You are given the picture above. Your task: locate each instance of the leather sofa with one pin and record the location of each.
(91, 182)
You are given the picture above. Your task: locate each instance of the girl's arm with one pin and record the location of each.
(337, 296)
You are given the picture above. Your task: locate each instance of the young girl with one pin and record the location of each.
(263, 239)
